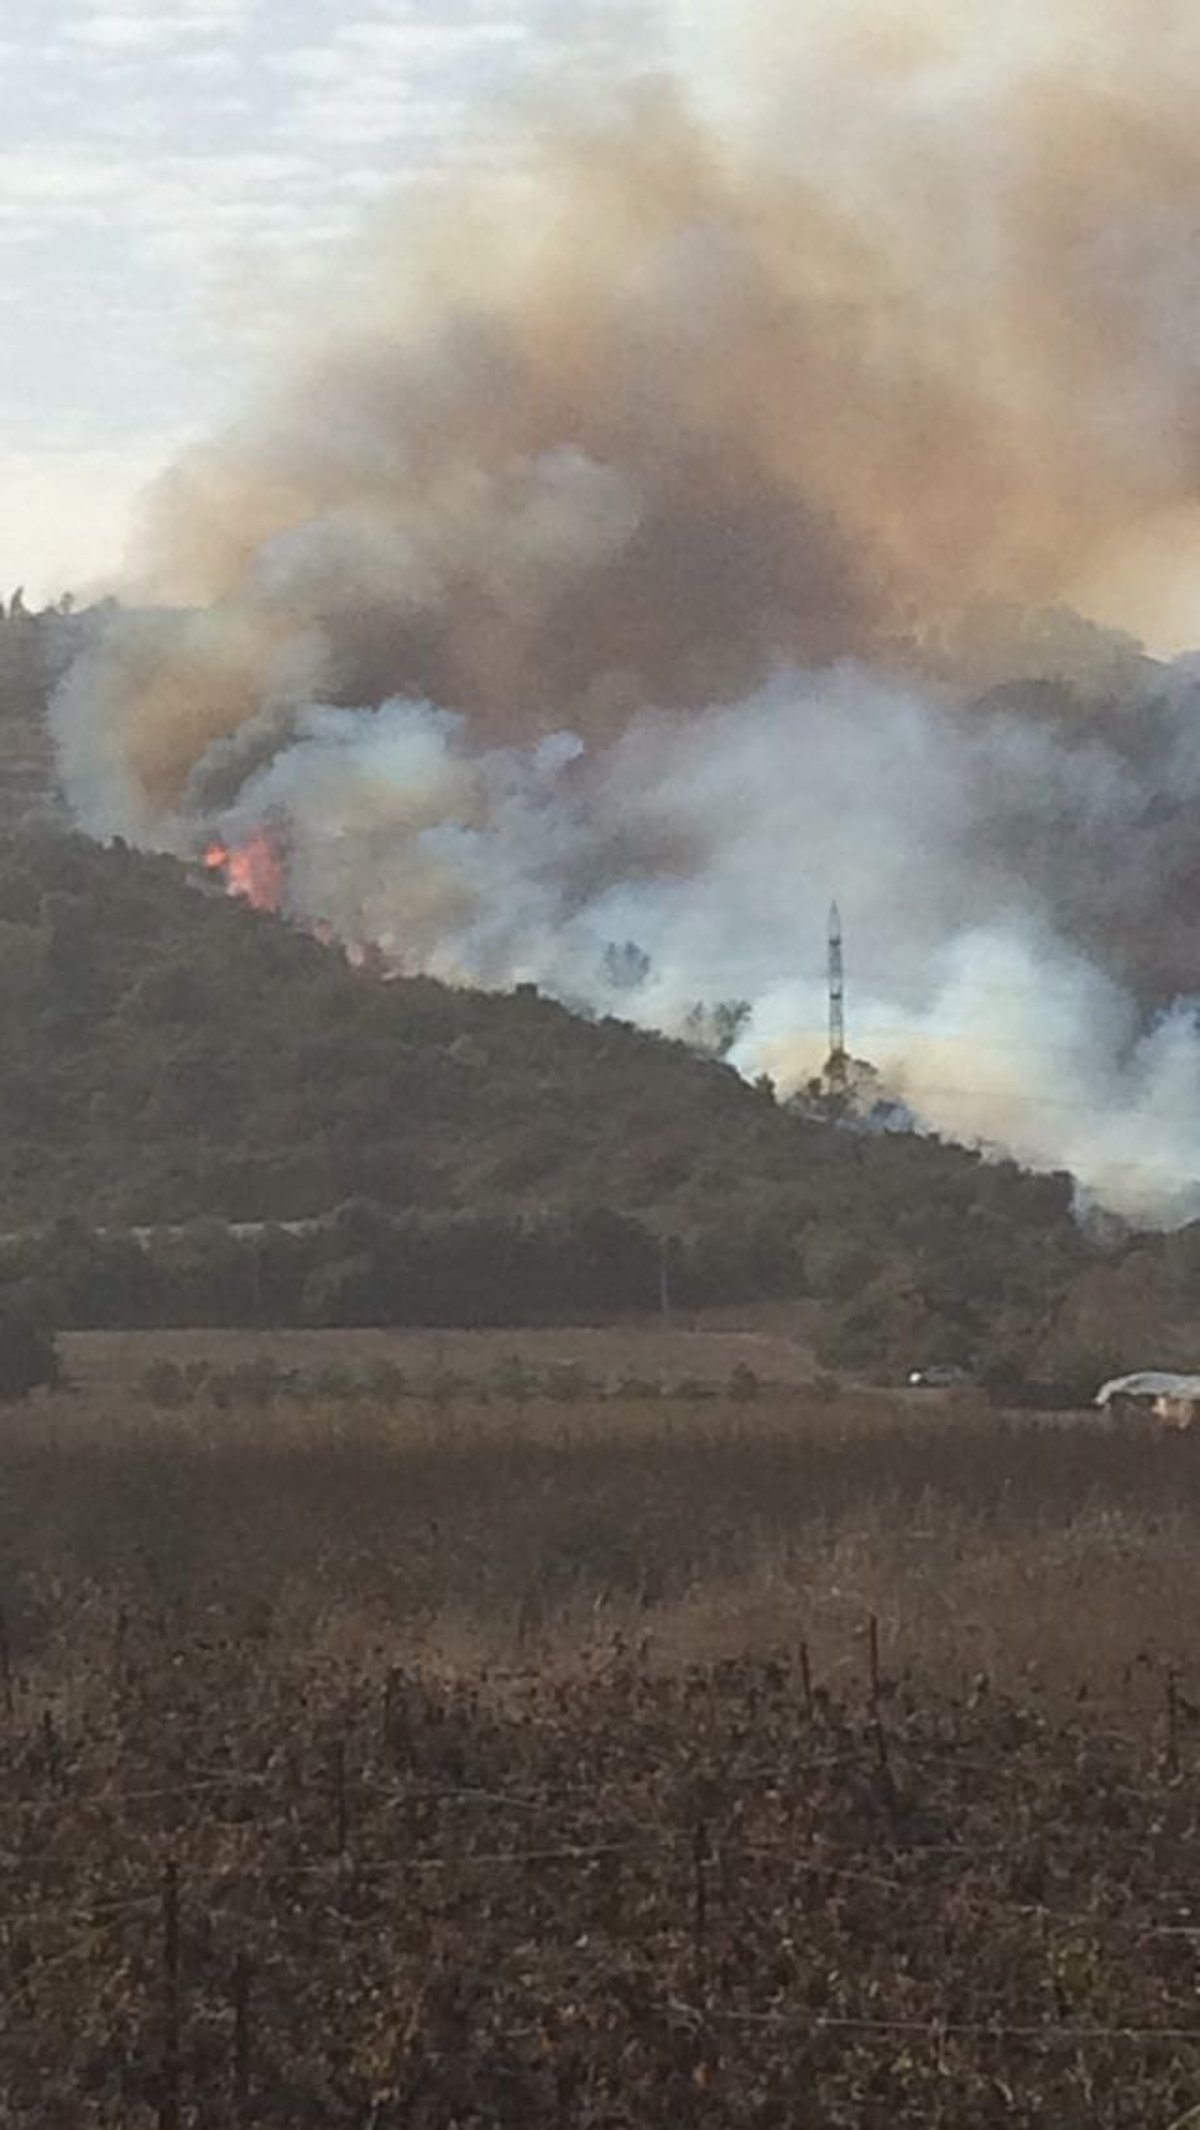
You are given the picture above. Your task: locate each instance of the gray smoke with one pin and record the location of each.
(1003, 877)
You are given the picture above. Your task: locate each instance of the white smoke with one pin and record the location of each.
(979, 859)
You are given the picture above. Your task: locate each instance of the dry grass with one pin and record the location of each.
(481, 1736)
(701, 1529)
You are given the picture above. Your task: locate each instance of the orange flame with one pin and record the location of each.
(253, 869)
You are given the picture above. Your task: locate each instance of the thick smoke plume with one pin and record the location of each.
(688, 528)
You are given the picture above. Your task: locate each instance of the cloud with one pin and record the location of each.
(206, 60)
(67, 513)
(164, 157)
(124, 33)
(125, 26)
(405, 82)
(402, 44)
(63, 181)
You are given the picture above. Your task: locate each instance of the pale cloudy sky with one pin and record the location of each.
(158, 158)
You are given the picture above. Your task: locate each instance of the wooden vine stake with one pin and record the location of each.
(341, 1818)
(873, 1657)
(700, 1856)
(6, 1671)
(168, 2113)
(887, 1781)
(1171, 1756)
(241, 2041)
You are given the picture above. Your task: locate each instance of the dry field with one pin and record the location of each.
(595, 1763)
(771, 1340)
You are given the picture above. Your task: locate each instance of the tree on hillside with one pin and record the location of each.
(713, 1030)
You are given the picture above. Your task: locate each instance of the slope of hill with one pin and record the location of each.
(167, 1055)
(167, 1052)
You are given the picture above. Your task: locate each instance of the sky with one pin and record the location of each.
(162, 161)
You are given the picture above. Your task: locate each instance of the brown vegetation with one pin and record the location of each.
(690, 1761)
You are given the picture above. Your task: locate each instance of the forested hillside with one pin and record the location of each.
(167, 1052)
(168, 1056)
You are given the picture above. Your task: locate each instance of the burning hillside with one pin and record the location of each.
(696, 524)
(252, 869)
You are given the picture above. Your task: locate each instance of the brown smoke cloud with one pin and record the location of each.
(674, 407)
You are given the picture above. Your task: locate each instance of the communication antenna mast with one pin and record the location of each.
(837, 998)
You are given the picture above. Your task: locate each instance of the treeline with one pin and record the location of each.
(1047, 1338)
(368, 1266)
(36, 647)
(1032, 1325)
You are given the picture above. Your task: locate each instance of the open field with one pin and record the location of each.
(771, 1340)
(822, 1760)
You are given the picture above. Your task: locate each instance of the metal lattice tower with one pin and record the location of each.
(837, 996)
